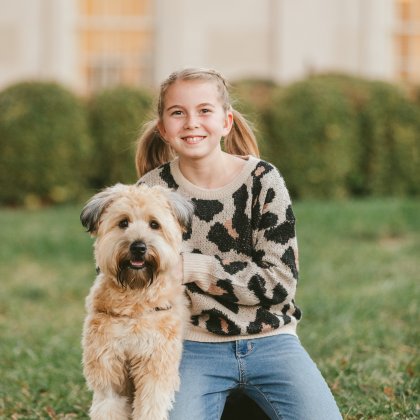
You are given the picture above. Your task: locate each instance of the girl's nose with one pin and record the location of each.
(191, 122)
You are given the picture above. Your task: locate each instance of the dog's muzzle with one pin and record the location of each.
(138, 251)
(138, 266)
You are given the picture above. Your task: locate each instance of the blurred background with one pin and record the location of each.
(91, 44)
(333, 89)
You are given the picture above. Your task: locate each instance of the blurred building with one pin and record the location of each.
(91, 44)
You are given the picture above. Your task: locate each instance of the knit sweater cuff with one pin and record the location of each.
(198, 268)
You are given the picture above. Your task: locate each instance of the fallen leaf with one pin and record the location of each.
(389, 392)
(51, 412)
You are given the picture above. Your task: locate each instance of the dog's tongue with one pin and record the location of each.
(137, 263)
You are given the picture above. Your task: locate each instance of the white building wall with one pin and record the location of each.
(353, 36)
(19, 40)
(37, 41)
(377, 53)
(231, 36)
(280, 39)
(60, 39)
(283, 40)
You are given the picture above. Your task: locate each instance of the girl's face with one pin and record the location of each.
(193, 120)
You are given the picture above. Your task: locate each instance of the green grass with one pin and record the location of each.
(359, 292)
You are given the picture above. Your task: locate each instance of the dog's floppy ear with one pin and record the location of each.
(182, 208)
(94, 208)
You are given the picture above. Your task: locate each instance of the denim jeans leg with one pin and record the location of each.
(285, 382)
(208, 372)
(276, 372)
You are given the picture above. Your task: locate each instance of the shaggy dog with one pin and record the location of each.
(136, 309)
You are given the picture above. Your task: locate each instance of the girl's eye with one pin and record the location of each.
(123, 224)
(176, 113)
(154, 225)
(205, 110)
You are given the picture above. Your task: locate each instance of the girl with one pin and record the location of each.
(239, 261)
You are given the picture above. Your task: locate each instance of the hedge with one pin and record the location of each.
(337, 135)
(311, 129)
(331, 136)
(388, 135)
(116, 116)
(44, 144)
(390, 138)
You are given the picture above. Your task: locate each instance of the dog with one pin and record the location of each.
(136, 309)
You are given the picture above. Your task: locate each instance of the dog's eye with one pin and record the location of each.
(123, 224)
(154, 225)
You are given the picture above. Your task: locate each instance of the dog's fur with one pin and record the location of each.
(136, 309)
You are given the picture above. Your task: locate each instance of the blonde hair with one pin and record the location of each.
(152, 151)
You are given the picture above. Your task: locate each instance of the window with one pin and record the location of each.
(407, 40)
(115, 43)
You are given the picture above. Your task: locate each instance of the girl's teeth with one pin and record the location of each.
(193, 140)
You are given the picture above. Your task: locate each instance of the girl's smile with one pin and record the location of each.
(193, 140)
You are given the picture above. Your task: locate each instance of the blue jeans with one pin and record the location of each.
(276, 372)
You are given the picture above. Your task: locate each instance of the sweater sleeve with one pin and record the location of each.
(267, 275)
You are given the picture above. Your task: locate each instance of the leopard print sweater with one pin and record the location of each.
(239, 254)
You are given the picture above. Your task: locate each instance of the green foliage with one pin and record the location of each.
(335, 135)
(311, 128)
(359, 262)
(390, 140)
(48, 268)
(330, 135)
(44, 144)
(116, 117)
(388, 136)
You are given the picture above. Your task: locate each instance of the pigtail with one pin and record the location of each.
(152, 151)
(241, 139)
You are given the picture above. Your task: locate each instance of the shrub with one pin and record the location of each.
(253, 97)
(390, 140)
(116, 116)
(388, 137)
(356, 90)
(311, 130)
(44, 144)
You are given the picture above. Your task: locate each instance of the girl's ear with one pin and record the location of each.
(228, 123)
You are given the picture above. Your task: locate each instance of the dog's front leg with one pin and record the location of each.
(156, 380)
(107, 405)
(106, 375)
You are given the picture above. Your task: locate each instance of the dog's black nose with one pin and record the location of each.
(138, 247)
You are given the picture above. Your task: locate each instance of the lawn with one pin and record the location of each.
(359, 292)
